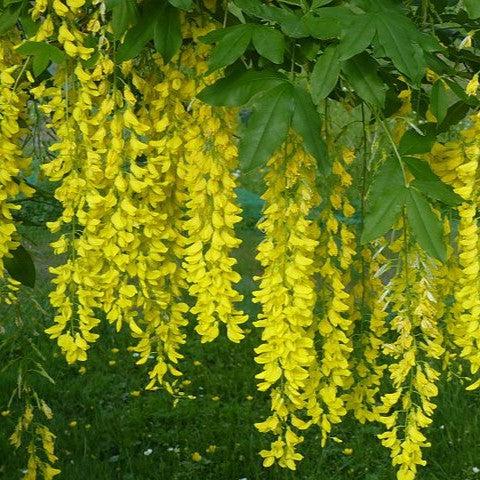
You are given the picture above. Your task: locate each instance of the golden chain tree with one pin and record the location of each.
(158, 110)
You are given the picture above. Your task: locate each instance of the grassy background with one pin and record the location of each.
(120, 436)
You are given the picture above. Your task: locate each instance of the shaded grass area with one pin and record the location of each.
(117, 435)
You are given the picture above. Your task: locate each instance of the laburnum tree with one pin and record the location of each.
(359, 118)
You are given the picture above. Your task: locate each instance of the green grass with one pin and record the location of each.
(116, 432)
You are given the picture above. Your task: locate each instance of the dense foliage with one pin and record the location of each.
(358, 121)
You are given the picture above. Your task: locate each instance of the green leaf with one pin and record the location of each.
(35, 48)
(323, 28)
(182, 4)
(319, 3)
(236, 11)
(460, 93)
(340, 16)
(239, 88)
(29, 26)
(307, 122)
(396, 14)
(9, 17)
(398, 44)
(167, 34)
(440, 100)
(231, 46)
(438, 65)
(124, 14)
(39, 64)
(413, 142)
(325, 74)
(308, 49)
(269, 43)
(357, 37)
(456, 113)
(429, 183)
(473, 8)
(140, 34)
(290, 23)
(361, 73)
(214, 36)
(111, 4)
(438, 191)
(267, 128)
(42, 53)
(385, 200)
(254, 8)
(426, 226)
(20, 266)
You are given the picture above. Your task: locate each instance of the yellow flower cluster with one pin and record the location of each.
(368, 364)
(41, 442)
(414, 356)
(287, 297)
(14, 83)
(76, 105)
(189, 249)
(9, 290)
(96, 164)
(157, 190)
(210, 157)
(331, 375)
(457, 163)
(128, 160)
(207, 167)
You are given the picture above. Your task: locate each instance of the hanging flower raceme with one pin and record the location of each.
(210, 158)
(76, 109)
(112, 267)
(189, 161)
(371, 328)
(75, 280)
(414, 356)
(331, 377)
(14, 83)
(207, 172)
(287, 297)
(457, 164)
(125, 176)
(158, 196)
(31, 430)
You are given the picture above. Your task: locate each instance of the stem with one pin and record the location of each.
(363, 194)
(22, 71)
(327, 131)
(225, 15)
(73, 152)
(395, 149)
(292, 65)
(405, 239)
(425, 8)
(364, 168)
